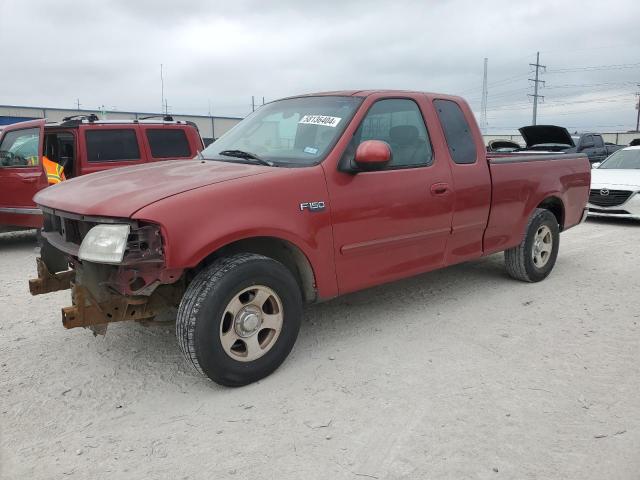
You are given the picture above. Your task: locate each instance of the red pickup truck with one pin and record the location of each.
(308, 198)
(82, 145)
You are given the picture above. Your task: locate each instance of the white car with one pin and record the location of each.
(615, 185)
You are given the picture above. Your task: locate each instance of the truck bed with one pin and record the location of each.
(518, 181)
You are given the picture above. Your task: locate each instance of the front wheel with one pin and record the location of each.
(534, 258)
(239, 318)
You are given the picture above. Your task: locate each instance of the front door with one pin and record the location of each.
(395, 222)
(21, 174)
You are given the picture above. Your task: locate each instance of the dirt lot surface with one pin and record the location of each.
(461, 373)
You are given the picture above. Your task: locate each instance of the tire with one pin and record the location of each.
(222, 303)
(521, 262)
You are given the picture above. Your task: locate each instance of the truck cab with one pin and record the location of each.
(81, 145)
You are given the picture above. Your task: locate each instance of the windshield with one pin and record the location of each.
(623, 159)
(297, 131)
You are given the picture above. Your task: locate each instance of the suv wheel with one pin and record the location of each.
(239, 318)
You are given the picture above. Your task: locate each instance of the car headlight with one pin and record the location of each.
(105, 244)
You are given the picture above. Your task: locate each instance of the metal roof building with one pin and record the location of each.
(210, 127)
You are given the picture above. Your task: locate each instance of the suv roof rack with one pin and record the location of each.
(92, 117)
(166, 118)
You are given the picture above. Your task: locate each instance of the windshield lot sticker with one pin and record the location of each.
(310, 150)
(320, 120)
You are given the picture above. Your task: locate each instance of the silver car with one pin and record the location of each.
(615, 185)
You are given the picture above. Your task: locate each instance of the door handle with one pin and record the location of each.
(30, 179)
(439, 188)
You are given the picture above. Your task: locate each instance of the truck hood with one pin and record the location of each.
(123, 191)
(539, 134)
(610, 177)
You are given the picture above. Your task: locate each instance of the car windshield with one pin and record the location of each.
(623, 160)
(295, 132)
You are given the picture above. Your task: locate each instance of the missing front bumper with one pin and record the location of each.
(96, 308)
(50, 282)
(86, 311)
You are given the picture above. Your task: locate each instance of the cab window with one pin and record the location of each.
(19, 148)
(398, 122)
(462, 147)
(112, 145)
(598, 142)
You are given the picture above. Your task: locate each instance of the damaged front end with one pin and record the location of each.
(137, 287)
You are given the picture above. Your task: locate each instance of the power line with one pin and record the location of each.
(619, 66)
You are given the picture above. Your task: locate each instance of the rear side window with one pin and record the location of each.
(112, 145)
(462, 147)
(168, 143)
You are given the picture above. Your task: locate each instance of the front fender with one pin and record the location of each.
(199, 222)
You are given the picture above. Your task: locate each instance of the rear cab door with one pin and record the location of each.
(21, 173)
(471, 179)
(107, 146)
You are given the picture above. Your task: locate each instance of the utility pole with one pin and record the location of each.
(162, 103)
(638, 108)
(253, 103)
(78, 104)
(536, 81)
(262, 100)
(483, 103)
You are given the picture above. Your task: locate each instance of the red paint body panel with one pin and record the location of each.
(377, 226)
(200, 221)
(519, 187)
(121, 192)
(19, 185)
(387, 224)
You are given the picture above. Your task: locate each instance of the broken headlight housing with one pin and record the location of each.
(105, 243)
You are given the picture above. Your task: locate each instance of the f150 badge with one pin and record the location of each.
(312, 206)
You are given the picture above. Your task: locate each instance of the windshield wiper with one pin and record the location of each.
(246, 156)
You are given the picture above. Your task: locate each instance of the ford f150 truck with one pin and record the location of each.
(81, 144)
(308, 198)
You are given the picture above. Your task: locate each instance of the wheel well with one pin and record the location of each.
(555, 206)
(281, 250)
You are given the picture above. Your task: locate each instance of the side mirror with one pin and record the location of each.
(372, 154)
(595, 165)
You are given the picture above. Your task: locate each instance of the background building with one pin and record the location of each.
(211, 127)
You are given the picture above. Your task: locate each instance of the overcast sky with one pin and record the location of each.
(216, 54)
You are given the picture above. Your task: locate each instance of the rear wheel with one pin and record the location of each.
(535, 257)
(239, 318)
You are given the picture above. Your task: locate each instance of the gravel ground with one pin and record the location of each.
(460, 373)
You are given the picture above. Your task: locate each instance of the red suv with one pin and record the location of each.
(81, 145)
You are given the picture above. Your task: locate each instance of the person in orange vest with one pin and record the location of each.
(54, 171)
